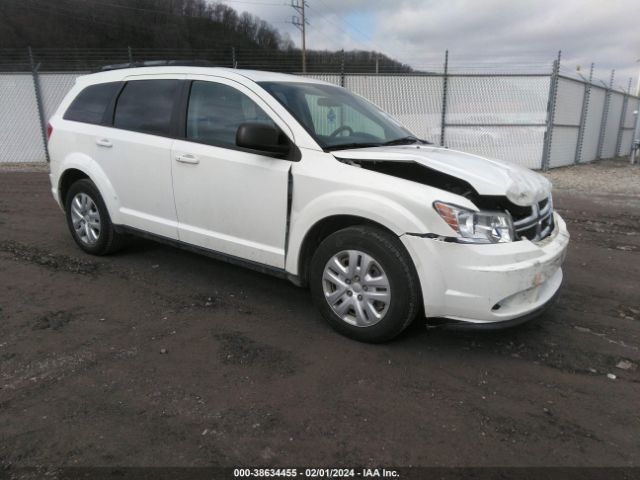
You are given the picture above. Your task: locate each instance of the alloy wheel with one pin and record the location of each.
(85, 218)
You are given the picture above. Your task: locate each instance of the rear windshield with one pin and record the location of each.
(92, 102)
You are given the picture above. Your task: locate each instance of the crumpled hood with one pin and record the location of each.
(488, 177)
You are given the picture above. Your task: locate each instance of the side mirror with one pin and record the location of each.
(262, 138)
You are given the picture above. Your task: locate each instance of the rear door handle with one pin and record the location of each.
(104, 142)
(187, 158)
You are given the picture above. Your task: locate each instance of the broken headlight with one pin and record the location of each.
(477, 227)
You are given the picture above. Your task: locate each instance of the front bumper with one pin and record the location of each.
(486, 284)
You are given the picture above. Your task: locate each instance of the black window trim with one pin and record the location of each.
(109, 113)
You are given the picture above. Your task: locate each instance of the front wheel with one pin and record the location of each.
(364, 284)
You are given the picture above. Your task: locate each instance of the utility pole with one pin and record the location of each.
(300, 21)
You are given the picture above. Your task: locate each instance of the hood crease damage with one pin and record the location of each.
(458, 172)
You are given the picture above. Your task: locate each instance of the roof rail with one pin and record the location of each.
(157, 63)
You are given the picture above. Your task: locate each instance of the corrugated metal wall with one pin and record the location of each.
(593, 120)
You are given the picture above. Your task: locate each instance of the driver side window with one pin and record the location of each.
(327, 119)
(216, 111)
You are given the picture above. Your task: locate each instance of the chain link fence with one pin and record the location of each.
(20, 128)
(538, 119)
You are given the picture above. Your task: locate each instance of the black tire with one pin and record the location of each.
(388, 251)
(108, 241)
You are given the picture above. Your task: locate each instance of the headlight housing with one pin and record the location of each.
(477, 227)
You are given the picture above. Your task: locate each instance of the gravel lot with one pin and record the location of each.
(156, 356)
(608, 177)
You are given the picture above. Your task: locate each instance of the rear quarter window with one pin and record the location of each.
(146, 106)
(91, 103)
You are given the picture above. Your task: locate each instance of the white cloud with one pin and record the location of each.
(476, 31)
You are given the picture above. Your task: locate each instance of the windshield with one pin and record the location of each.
(336, 118)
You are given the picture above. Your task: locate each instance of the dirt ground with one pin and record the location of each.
(156, 356)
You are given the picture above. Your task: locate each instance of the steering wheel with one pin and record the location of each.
(340, 130)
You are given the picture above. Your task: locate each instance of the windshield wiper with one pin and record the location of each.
(347, 146)
(408, 140)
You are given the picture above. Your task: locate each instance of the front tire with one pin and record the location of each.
(89, 221)
(364, 284)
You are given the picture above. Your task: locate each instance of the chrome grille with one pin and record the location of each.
(538, 224)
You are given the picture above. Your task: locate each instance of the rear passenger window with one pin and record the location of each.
(92, 102)
(146, 105)
(217, 110)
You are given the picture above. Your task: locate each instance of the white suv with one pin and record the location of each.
(307, 181)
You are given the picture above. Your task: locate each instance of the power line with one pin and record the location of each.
(301, 23)
(67, 10)
(363, 41)
(164, 12)
(249, 2)
(364, 35)
(51, 9)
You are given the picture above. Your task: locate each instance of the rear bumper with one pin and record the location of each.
(489, 284)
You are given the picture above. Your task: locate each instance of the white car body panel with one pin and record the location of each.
(248, 190)
(136, 156)
(324, 187)
(488, 177)
(261, 209)
(250, 195)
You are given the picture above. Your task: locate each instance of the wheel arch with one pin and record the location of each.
(325, 227)
(68, 178)
(77, 167)
(328, 213)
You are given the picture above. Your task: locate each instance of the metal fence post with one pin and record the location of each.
(445, 80)
(635, 136)
(623, 115)
(130, 54)
(234, 61)
(342, 68)
(605, 115)
(583, 116)
(551, 112)
(39, 104)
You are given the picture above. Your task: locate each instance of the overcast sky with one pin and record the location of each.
(417, 32)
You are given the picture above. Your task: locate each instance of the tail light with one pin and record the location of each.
(49, 131)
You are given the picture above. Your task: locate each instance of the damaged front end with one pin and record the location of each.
(526, 202)
(500, 261)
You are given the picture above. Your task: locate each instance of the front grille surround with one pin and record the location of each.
(538, 224)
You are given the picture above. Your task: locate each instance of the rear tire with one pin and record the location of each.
(89, 221)
(364, 284)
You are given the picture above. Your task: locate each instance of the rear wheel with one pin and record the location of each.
(88, 220)
(364, 284)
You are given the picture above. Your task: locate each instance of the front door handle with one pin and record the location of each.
(104, 142)
(187, 158)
